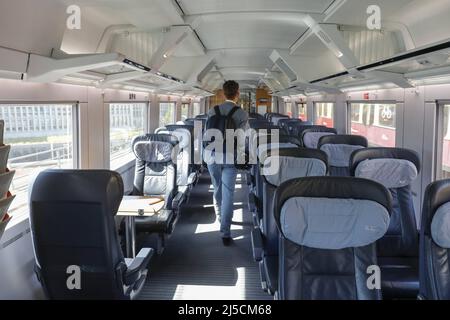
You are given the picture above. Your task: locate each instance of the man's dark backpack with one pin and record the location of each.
(222, 123)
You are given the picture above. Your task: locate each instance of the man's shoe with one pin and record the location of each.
(227, 241)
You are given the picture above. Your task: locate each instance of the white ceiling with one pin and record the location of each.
(239, 35)
(191, 7)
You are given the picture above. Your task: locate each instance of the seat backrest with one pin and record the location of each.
(276, 118)
(72, 224)
(190, 129)
(435, 242)
(156, 170)
(329, 226)
(184, 154)
(290, 125)
(297, 128)
(396, 169)
(310, 137)
(339, 148)
(292, 163)
(257, 116)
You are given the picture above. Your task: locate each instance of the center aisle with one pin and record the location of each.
(195, 265)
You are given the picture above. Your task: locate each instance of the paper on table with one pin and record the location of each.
(141, 204)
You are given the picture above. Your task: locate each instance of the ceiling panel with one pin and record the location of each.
(191, 7)
(354, 12)
(249, 34)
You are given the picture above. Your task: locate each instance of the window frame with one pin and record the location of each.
(76, 139)
(439, 147)
(297, 107)
(199, 109)
(188, 110)
(174, 117)
(315, 103)
(372, 102)
(108, 131)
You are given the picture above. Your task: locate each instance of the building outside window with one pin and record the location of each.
(42, 136)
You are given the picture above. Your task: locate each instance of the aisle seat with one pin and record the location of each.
(329, 227)
(291, 163)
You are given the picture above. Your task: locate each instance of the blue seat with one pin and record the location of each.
(339, 148)
(398, 251)
(290, 163)
(72, 224)
(320, 260)
(435, 242)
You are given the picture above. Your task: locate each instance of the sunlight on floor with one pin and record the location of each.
(215, 227)
(194, 292)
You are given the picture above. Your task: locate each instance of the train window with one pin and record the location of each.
(324, 114)
(288, 109)
(376, 122)
(184, 111)
(443, 167)
(126, 120)
(166, 113)
(42, 136)
(302, 111)
(196, 108)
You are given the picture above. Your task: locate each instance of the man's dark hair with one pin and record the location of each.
(230, 89)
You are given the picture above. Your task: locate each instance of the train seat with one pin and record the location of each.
(262, 149)
(186, 176)
(192, 139)
(311, 136)
(156, 175)
(398, 250)
(339, 148)
(435, 242)
(72, 224)
(292, 163)
(276, 118)
(319, 260)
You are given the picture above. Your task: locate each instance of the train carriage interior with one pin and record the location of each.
(105, 190)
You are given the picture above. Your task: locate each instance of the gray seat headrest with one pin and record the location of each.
(339, 154)
(279, 169)
(311, 139)
(392, 173)
(154, 151)
(333, 223)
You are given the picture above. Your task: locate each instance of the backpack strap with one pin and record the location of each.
(217, 110)
(232, 112)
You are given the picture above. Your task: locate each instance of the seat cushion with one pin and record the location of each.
(399, 277)
(271, 272)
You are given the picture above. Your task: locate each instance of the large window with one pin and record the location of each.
(376, 122)
(184, 111)
(324, 114)
(302, 111)
(288, 109)
(444, 163)
(196, 108)
(42, 136)
(166, 113)
(126, 121)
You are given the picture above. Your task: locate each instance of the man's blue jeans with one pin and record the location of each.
(223, 178)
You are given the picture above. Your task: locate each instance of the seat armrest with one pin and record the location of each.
(177, 200)
(257, 244)
(139, 264)
(191, 179)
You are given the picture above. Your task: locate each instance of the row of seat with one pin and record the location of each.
(67, 203)
(166, 167)
(395, 169)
